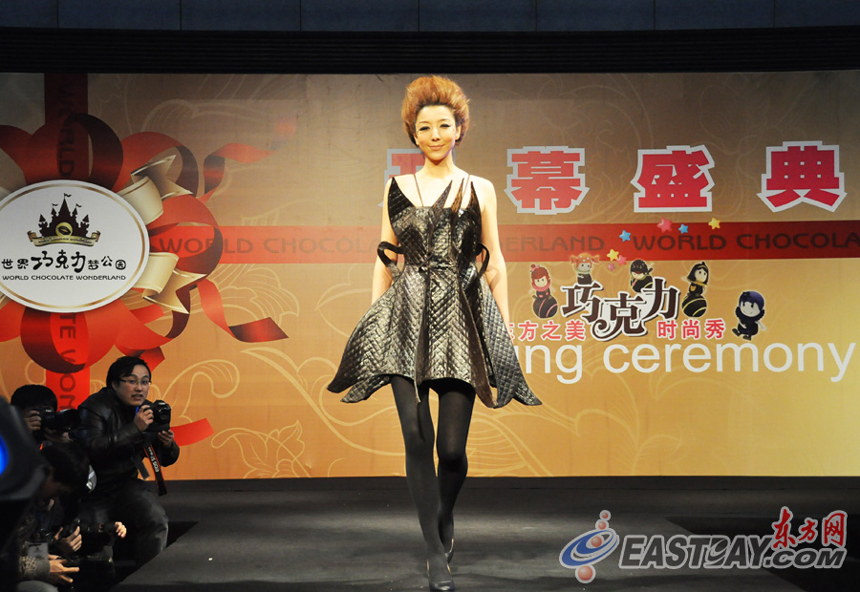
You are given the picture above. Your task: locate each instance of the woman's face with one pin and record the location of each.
(132, 389)
(436, 131)
(701, 275)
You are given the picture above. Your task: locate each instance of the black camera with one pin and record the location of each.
(160, 417)
(96, 572)
(59, 421)
(94, 564)
(92, 534)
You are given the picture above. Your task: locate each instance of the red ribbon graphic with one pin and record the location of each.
(67, 345)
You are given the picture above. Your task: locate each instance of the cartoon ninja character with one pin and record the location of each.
(694, 303)
(544, 305)
(750, 310)
(583, 264)
(640, 275)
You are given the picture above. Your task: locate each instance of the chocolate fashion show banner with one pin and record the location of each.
(683, 255)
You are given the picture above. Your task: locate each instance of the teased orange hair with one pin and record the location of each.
(434, 90)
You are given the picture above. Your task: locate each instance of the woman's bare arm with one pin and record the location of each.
(497, 275)
(381, 275)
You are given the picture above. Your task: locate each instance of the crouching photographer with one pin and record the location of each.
(43, 551)
(38, 405)
(119, 428)
(88, 547)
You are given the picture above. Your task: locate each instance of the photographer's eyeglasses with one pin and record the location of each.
(134, 382)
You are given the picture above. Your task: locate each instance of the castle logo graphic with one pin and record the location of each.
(64, 228)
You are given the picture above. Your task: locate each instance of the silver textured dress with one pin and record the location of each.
(438, 319)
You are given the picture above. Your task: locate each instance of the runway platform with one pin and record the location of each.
(325, 535)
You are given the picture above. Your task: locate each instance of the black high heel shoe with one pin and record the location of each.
(449, 547)
(440, 586)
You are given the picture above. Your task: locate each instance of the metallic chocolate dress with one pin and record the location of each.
(438, 319)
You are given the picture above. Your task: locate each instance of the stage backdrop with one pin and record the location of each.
(225, 228)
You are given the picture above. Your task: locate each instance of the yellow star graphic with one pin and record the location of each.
(613, 255)
(714, 223)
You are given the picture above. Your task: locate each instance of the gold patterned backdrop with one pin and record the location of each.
(300, 225)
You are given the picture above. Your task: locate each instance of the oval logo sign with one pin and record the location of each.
(69, 246)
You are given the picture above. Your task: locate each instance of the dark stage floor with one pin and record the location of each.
(362, 534)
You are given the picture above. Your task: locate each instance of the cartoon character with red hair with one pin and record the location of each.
(544, 305)
(583, 264)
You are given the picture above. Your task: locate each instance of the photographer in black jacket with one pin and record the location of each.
(117, 426)
(38, 405)
(41, 551)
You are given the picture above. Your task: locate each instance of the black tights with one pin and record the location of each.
(434, 496)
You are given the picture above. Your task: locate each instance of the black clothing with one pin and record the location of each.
(114, 444)
(438, 319)
(747, 326)
(39, 524)
(116, 451)
(642, 283)
(584, 278)
(545, 305)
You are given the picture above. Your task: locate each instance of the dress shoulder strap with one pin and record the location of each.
(418, 187)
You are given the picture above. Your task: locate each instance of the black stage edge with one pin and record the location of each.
(611, 483)
(362, 534)
(712, 50)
